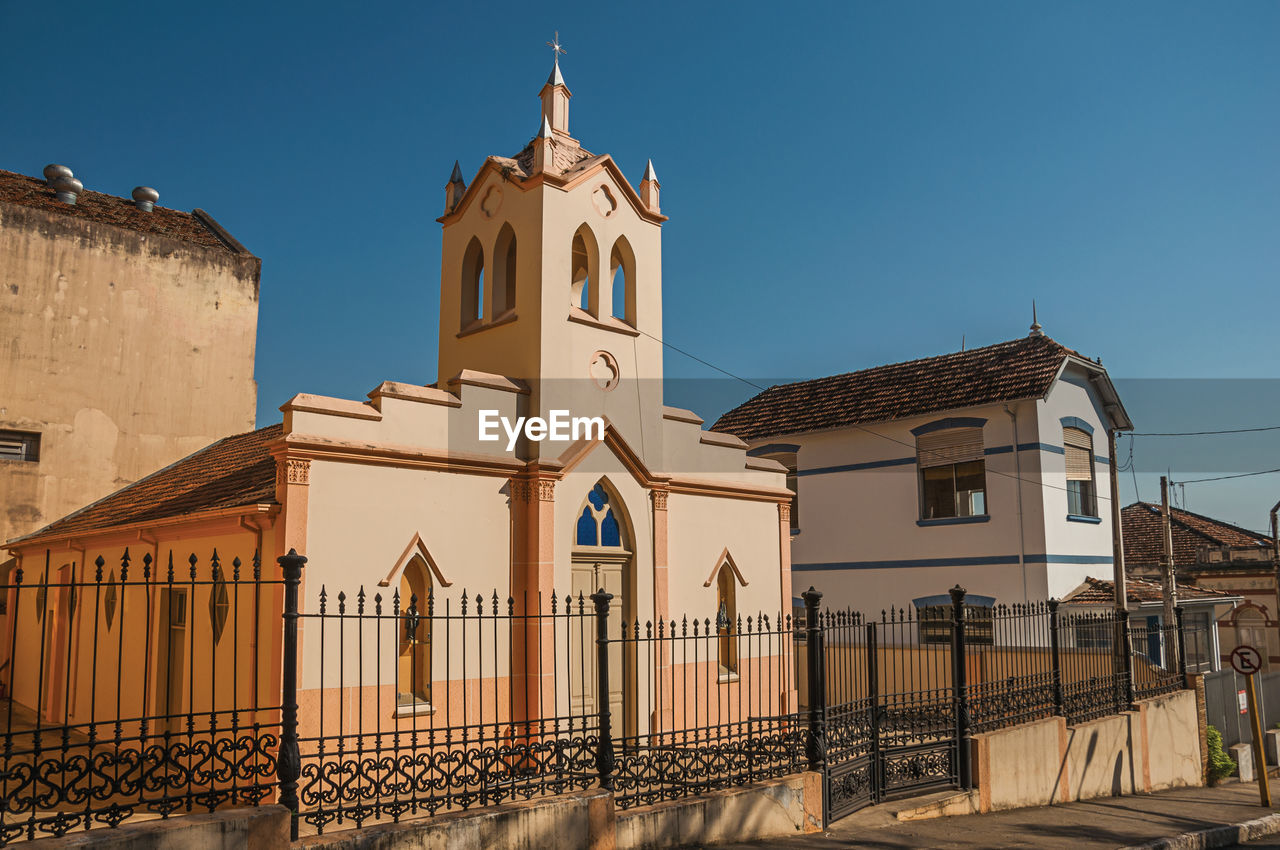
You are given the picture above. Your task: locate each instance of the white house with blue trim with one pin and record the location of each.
(986, 468)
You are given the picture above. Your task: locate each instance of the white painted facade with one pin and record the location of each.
(861, 538)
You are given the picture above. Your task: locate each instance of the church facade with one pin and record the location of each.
(551, 310)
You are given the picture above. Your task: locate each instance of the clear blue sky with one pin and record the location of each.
(848, 184)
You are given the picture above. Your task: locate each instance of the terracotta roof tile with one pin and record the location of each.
(1097, 591)
(233, 472)
(1021, 368)
(108, 209)
(1144, 543)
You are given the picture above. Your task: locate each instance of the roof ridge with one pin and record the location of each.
(1174, 511)
(1044, 338)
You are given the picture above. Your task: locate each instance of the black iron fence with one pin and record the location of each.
(697, 705)
(145, 689)
(137, 688)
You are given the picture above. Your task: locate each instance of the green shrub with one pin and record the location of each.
(1221, 765)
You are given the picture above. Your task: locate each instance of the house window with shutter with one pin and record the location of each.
(19, 445)
(1082, 497)
(953, 474)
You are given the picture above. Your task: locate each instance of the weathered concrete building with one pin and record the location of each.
(128, 341)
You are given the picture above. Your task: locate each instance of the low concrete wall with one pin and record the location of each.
(1045, 762)
(1104, 758)
(258, 828)
(582, 819)
(777, 808)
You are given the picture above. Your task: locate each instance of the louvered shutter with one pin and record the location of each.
(943, 448)
(1078, 446)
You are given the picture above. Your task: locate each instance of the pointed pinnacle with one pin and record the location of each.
(456, 176)
(555, 79)
(649, 173)
(545, 132)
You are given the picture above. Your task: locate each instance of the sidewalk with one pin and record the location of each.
(1108, 822)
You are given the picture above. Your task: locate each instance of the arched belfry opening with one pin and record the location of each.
(622, 270)
(504, 272)
(584, 261)
(472, 284)
(604, 558)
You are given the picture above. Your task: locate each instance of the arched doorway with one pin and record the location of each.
(604, 557)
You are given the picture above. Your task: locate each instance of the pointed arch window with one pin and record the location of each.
(597, 525)
(584, 260)
(219, 604)
(416, 606)
(472, 283)
(622, 271)
(726, 621)
(504, 272)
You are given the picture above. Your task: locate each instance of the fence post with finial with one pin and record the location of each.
(604, 751)
(289, 761)
(959, 685)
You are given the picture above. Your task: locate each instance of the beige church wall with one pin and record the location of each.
(437, 422)
(701, 529)
(86, 309)
(131, 642)
(761, 681)
(856, 519)
(362, 518)
(511, 348)
(1072, 396)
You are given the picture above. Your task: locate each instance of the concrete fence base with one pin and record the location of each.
(1044, 762)
(583, 820)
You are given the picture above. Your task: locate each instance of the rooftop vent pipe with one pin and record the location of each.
(67, 188)
(144, 198)
(53, 171)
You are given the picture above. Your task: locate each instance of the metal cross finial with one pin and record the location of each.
(555, 46)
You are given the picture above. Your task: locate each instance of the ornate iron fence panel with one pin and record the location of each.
(136, 687)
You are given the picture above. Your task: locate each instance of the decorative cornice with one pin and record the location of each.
(659, 500)
(546, 490)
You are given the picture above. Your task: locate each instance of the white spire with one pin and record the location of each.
(649, 173)
(545, 132)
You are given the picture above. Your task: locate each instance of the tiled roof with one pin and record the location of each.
(108, 209)
(1097, 591)
(1021, 368)
(567, 156)
(1144, 541)
(233, 472)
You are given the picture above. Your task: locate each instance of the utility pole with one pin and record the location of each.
(1117, 528)
(1169, 582)
(1275, 559)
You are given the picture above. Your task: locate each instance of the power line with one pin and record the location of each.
(1010, 475)
(1204, 433)
(1225, 477)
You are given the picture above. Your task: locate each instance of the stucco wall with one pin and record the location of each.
(125, 352)
(1046, 761)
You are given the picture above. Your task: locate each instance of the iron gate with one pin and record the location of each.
(884, 712)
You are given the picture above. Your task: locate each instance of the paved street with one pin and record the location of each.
(1105, 823)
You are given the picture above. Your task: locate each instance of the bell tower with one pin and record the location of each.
(551, 274)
